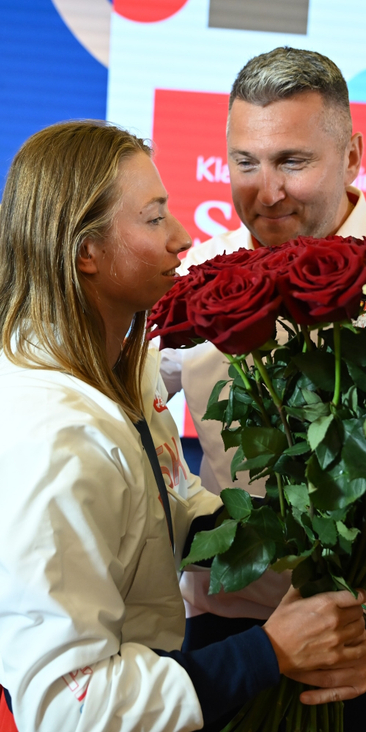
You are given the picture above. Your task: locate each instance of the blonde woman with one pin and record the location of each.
(91, 537)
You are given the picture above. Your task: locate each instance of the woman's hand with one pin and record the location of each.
(321, 641)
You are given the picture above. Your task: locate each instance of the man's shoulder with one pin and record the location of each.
(229, 241)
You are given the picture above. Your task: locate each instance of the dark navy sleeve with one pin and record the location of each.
(229, 673)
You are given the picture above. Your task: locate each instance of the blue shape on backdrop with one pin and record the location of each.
(46, 75)
(357, 87)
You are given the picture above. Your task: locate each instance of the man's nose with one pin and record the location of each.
(271, 187)
(179, 240)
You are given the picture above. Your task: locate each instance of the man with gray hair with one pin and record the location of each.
(292, 158)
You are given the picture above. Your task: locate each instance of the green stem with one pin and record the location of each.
(280, 495)
(290, 719)
(299, 711)
(275, 398)
(282, 704)
(249, 389)
(313, 719)
(337, 354)
(308, 342)
(265, 377)
(325, 717)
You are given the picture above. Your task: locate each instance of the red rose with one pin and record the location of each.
(276, 259)
(324, 282)
(222, 261)
(236, 311)
(169, 315)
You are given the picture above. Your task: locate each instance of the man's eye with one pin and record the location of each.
(294, 162)
(246, 164)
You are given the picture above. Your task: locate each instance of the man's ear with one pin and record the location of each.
(87, 259)
(354, 157)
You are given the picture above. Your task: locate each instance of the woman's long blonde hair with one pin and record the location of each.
(60, 190)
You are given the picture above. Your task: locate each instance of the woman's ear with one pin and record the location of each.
(87, 259)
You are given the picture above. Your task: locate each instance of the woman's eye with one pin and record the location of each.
(157, 220)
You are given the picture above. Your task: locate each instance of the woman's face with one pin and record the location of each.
(136, 262)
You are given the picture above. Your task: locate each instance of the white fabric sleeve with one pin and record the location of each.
(171, 369)
(67, 509)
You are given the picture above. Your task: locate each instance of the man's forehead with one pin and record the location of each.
(294, 123)
(311, 101)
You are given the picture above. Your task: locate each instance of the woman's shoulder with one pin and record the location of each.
(50, 400)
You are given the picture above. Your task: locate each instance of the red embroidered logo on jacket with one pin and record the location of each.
(159, 404)
(176, 463)
(77, 682)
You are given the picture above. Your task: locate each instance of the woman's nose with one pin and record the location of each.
(179, 239)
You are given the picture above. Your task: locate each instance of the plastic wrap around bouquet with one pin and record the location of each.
(295, 414)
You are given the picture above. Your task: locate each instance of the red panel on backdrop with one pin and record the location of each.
(189, 133)
(145, 11)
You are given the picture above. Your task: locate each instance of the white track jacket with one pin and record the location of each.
(88, 584)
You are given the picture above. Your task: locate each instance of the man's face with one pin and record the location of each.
(288, 169)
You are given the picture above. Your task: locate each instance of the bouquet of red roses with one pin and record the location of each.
(296, 415)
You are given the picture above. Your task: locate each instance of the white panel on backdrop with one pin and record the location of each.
(182, 52)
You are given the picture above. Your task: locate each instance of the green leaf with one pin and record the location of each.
(269, 345)
(295, 533)
(216, 391)
(353, 346)
(290, 467)
(245, 562)
(348, 534)
(341, 584)
(357, 375)
(237, 502)
(326, 530)
(354, 448)
(290, 561)
(297, 495)
(309, 413)
(243, 396)
(262, 441)
(332, 489)
(300, 448)
(329, 449)
(345, 545)
(231, 438)
(319, 366)
(318, 430)
(311, 397)
(228, 417)
(216, 411)
(208, 543)
(325, 583)
(259, 462)
(303, 520)
(266, 522)
(303, 572)
(237, 460)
